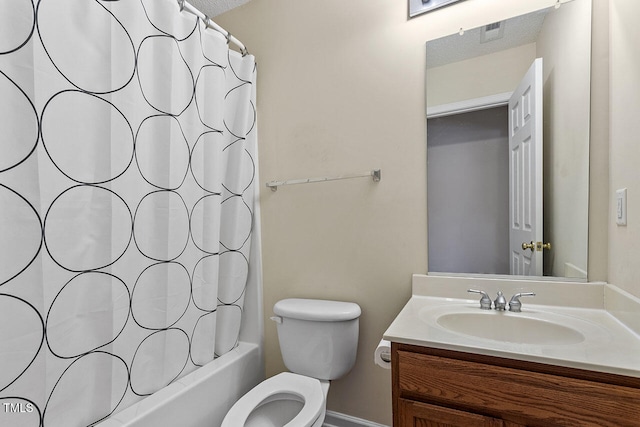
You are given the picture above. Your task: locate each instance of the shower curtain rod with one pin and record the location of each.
(185, 5)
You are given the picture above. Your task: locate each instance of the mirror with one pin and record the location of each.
(475, 199)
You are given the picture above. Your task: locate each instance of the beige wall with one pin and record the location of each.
(485, 75)
(624, 242)
(599, 145)
(341, 90)
(565, 44)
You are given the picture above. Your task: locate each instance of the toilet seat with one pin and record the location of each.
(308, 389)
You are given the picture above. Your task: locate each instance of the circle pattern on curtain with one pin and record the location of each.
(127, 177)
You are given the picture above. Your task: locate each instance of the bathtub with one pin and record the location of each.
(201, 398)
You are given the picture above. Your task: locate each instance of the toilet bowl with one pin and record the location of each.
(287, 399)
(318, 340)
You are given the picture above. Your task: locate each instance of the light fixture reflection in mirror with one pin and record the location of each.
(467, 165)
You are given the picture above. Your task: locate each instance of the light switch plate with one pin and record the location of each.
(621, 206)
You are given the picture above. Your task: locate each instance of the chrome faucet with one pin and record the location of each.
(500, 303)
(515, 305)
(485, 301)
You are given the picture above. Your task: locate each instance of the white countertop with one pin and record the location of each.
(608, 345)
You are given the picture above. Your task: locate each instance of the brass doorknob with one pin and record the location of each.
(526, 246)
(539, 246)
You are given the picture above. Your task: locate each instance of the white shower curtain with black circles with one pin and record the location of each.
(127, 179)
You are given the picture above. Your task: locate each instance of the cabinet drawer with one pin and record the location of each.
(520, 396)
(417, 414)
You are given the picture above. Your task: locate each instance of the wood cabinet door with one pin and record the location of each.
(418, 414)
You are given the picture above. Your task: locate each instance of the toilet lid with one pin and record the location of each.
(309, 390)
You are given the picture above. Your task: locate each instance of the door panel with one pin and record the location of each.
(525, 173)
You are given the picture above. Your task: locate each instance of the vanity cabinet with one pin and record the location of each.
(438, 388)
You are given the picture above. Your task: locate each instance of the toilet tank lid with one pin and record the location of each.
(317, 310)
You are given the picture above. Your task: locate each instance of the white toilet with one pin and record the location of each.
(318, 340)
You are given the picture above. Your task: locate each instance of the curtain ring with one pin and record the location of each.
(181, 4)
(228, 36)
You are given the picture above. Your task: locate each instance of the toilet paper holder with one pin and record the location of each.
(382, 354)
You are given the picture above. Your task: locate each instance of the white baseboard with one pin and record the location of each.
(336, 419)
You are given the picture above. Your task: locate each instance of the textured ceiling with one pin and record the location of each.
(213, 8)
(518, 31)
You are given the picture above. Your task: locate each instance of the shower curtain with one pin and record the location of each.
(127, 174)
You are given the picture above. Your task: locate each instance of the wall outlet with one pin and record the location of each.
(621, 206)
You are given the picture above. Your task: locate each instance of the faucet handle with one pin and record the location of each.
(515, 304)
(485, 301)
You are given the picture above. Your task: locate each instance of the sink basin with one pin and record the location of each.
(566, 325)
(508, 327)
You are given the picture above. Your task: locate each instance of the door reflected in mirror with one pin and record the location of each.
(507, 195)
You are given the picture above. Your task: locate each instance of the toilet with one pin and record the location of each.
(318, 340)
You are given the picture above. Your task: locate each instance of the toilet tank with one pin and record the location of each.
(318, 338)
